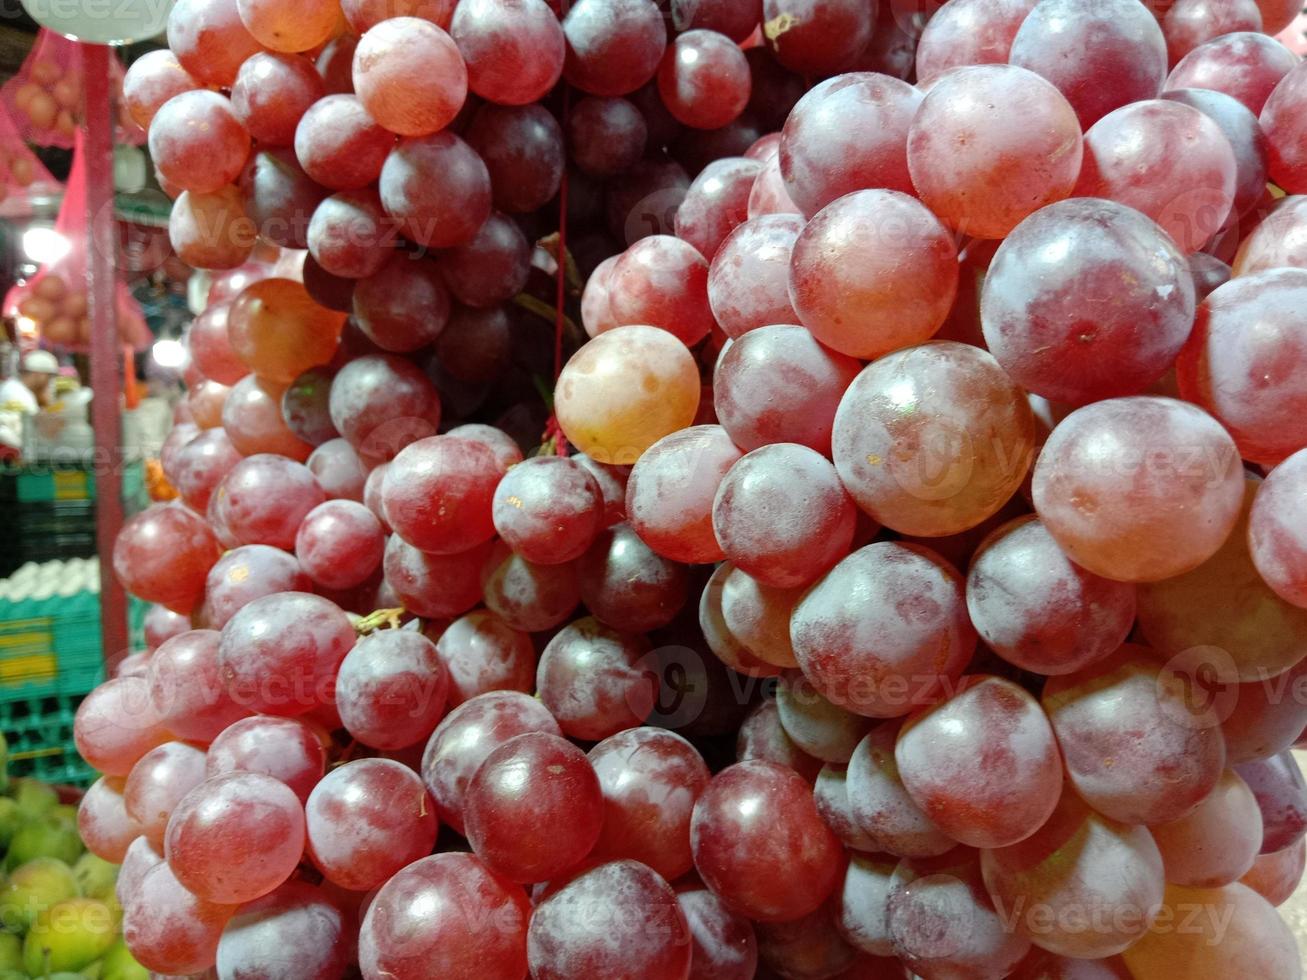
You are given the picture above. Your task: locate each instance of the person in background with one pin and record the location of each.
(38, 371)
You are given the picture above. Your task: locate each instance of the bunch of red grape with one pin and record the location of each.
(910, 579)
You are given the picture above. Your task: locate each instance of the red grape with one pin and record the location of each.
(548, 509)
(271, 93)
(522, 147)
(606, 136)
(187, 688)
(438, 494)
(817, 38)
(339, 544)
(103, 822)
(163, 554)
(296, 931)
(283, 748)
(157, 784)
(704, 79)
(409, 75)
(197, 141)
(968, 32)
(513, 51)
(437, 188)
(391, 689)
(168, 928)
(1281, 118)
(482, 653)
(209, 40)
(613, 46)
(340, 145)
(748, 281)
(596, 681)
(1246, 64)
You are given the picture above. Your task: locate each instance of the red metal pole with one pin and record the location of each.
(106, 352)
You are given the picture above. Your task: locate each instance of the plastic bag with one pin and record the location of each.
(45, 98)
(21, 173)
(55, 298)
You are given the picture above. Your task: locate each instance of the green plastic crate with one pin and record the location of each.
(40, 734)
(45, 484)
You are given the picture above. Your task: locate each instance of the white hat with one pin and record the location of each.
(40, 362)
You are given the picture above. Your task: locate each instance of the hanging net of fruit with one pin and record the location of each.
(21, 173)
(45, 98)
(55, 299)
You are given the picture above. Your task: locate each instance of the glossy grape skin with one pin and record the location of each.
(209, 40)
(1134, 750)
(969, 32)
(116, 724)
(1124, 162)
(945, 924)
(662, 281)
(380, 403)
(768, 194)
(168, 928)
(197, 142)
(246, 573)
(491, 268)
(279, 331)
(305, 408)
(235, 837)
(1278, 241)
(527, 596)
(271, 92)
(340, 544)
(211, 231)
(669, 497)
(296, 931)
(207, 401)
(138, 861)
(1246, 138)
(340, 145)
(366, 820)
(404, 305)
(437, 188)
(881, 804)
(434, 585)
(522, 147)
(163, 554)
(1254, 941)
(467, 735)
(1188, 23)
(150, 81)
(187, 690)
(816, 38)
(613, 46)
(446, 915)
(832, 798)
(279, 198)
(534, 808)
(781, 515)
(1109, 323)
(283, 748)
(103, 822)
(201, 465)
(977, 168)
(723, 943)
(595, 680)
(162, 624)
(758, 616)
(263, 499)
(1274, 540)
(753, 818)
(1245, 64)
(1264, 717)
(513, 52)
(1281, 118)
(704, 79)
(252, 419)
(1121, 516)
(618, 920)
(1276, 876)
(391, 689)
(899, 290)
(409, 76)
(482, 653)
(438, 493)
(721, 642)
(157, 783)
(349, 235)
(1099, 57)
(1218, 842)
(716, 203)
(211, 349)
(1037, 609)
(650, 780)
(762, 737)
(548, 509)
(1278, 787)
(749, 275)
(625, 390)
(606, 136)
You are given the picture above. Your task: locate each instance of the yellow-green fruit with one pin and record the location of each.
(11, 951)
(34, 799)
(68, 936)
(120, 964)
(95, 876)
(11, 818)
(65, 812)
(92, 970)
(45, 837)
(12, 975)
(31, 889)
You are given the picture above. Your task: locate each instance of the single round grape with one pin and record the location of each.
(968, 32)
(201, 465)
(211, 349)
(1157, 766)
(139, 860)
(1278, 787)
(721, 642)
(1276, 876)
(1244, 64)
(650, 781)
(477, 344)
(1266, 717)
(363, 15)
(207, 401)
(247, 573)
(534, 808)
(885, 655)
(933, 439)
(1217, 843)
(848, 133)
(197, 142)
(491, 268)
(381, 403)
(753, 818)
(271, 93)
(723, 944)
(1100, 57)
(296, 931)
(704, 79)
(409, 76)
(280, 198)
(862, 903)
(340, 145)
(438, 494)
(548, 509)
(946, 924)
(170, 930)
(1125, 161)
(1281, 118)
(514, 51)
(1253, 942)
(1188, 23)
(163, 554)
(299, 26)
(644, 202)
(761, 736)
(814, 38)
(209, 40)
(305, 408)
(443, 916)
(187, 689)
(1278, 241)
(899, 289)
(349, 235)
(178, 436)
(340, 544)
(482, 653)
(627, 585)
(1246, 138)
(434, 585)
(596, 681)
(252, 419)
(391, 689)
(613, 46)
(625, 390)
(815, 724)
(1037, 609)
(116, 724)
(662, 281)
(103, 822)
(527, 596)
(264, 498)
(150, 81)
(768, 194)
(881, 804)
(619, 920)
(1275, 541)
(279, 331)
(283, 748)
(522, 147)
(157, 784)
(404, 306)
(1123, 501)
(235, 837)
(437, 188)
(832, 797)
(748, 280)
(758, 616)
(716, 203)
(211, 231)
(366, 820)
(606, 136)
(279, 654)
